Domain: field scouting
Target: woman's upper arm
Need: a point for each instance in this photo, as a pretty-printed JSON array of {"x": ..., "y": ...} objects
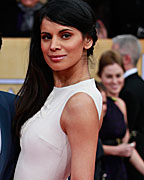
[{"x": 80, "y": 122}]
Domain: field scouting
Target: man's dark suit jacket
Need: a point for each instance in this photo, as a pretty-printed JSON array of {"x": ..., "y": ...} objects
[
  {"x": 10, "y": 148},
  {"x": 133, "y": 95}
]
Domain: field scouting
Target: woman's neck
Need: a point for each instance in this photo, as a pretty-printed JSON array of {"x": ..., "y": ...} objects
[
  {"x": 116, "y": 95},
  {"x": 67, "y": 78},
  {"x": 72, "y": 75}
]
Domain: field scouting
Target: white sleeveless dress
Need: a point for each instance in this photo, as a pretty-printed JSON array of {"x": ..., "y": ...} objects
[{"x": 45, "y": 150}]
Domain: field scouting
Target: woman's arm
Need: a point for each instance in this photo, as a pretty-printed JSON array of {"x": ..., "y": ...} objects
[
  {"x": 80, "y": 122},
  {"x": 137, "y": 161},
  {"x": 122, "y": 150},
  {"x": 135, "y": 158}
]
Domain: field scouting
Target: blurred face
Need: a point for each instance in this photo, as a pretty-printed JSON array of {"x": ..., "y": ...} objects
[
  {"x": 29, "y": 3},
  {"x": 62, "y": 46},
  {"x": 115, "y": 47},
  {"x": 112, "y": 78}
]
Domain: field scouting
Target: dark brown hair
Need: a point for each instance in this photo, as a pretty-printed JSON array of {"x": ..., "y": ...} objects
[{"x": 109, "y": 57}]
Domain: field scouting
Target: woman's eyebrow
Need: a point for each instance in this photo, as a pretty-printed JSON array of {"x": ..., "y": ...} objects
[
  {"x": 45, "y": 33},
  {"x": 65, "y": 30},
  {"x": 59, "y": 31}
]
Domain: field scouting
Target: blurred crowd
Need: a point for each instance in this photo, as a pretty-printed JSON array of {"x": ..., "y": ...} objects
[
  {"x": 122, "y": 90},
  {"x": 17, "y": 17},
  {"x": 113, "y": 17}
]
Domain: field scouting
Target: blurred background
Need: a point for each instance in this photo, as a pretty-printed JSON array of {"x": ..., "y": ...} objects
[{"x": 114, "y": 17}]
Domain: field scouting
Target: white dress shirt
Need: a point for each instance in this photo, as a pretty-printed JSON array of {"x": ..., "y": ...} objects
[{"x": 129, "y": 72}]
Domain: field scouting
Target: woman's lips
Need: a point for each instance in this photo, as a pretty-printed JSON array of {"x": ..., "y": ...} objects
[{"x": 57, "y": 58}]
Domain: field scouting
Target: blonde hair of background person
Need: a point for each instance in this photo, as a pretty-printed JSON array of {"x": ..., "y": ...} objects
[{"x": 111, "y": 73}]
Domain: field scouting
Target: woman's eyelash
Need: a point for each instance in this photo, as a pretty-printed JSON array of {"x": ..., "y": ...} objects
[
  {"x": 66, "y": 35},
  {"x": 46, "y": 36}
]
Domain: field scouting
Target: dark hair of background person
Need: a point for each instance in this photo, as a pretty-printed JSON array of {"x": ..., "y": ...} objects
[
  {"x": 107, "y": 58},
  {"x": 103, "y": 12},
  {"x": 121, "y": 16},
  {"x": 39, "y": 80},
  {"x": 101, "y": 87}
]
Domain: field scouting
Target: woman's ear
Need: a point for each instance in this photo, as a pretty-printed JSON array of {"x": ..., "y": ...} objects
[{"x": 88, "y": 41}]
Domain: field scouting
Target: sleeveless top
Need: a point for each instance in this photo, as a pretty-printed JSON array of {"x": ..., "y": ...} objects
[
  {"x": 112, "y": 130},
  {"x": 45, "y": 149},
  {"x": 114, "y": 125}
]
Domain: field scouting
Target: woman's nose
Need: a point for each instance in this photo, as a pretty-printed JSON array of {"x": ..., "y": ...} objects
[
  {"x": 55, "y": 44},
  {"x": 114, "y": 80}
]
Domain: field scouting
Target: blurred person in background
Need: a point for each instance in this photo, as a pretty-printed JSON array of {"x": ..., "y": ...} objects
[
  {"x": 102, "y": 9},
  {"x": 17, "y": 17},
  {"x": 101, "y": 30},
  {"x": 99, "y": 173},
  {"x": 25, "y": 15},
  {"x": 9, "y": 147},
  {"x": 132, "y": 93},
  {"x": 114, "y": 132}
]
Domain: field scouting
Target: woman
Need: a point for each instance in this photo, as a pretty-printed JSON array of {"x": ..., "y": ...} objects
[
  {"x": 114, "y": 132},
  {"x": 59, "y": 110}
]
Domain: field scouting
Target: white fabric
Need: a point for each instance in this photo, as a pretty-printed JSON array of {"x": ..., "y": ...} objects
[
  {"x": 130, "y": 72},
  {"x": 45, "y": 150}
]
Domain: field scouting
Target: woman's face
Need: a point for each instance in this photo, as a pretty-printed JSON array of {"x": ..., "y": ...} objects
[
  {"x": 62, "y": 46},
  {"x": 112, "y": 78},
  {"x": 29, "y": 3}
]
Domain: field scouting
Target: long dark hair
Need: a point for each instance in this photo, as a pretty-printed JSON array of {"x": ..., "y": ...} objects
[{"x": 39, "y": 80}]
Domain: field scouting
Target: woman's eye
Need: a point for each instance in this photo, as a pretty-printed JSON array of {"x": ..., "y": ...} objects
[
  {"x": 66, "y": 35},
  {"x": 46, "y": 37},
  {"x": 118, "y": 75},
  {"x": 109, "y": 76}
]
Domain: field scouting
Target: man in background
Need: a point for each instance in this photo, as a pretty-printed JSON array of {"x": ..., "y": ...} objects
[
  {"x": 17, "y": 17},
  {"x": 132, "y": 93},
  {"x": 9, "y": 147}
]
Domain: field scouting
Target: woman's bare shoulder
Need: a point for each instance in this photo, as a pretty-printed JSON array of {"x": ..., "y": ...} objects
[
  {"x": 80, "y": 109},
  {"x": 121, "y": 104}
]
